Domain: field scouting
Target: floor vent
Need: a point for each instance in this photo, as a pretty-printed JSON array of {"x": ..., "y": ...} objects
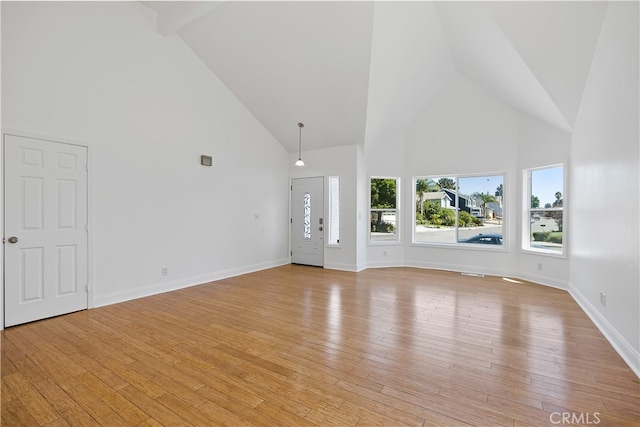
[{"x": 473, "y": 274}]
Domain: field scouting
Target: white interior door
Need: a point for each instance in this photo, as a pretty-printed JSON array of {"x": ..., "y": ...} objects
[
  {"x": 45, "y": 250},
  {"x": 307, "y": 224}
]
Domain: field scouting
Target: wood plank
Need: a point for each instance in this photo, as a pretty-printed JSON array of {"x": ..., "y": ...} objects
[
  {"x": 217, "y": 385},
  {"x": 92, "y": 403},
  {"x": 159, "y": 412},
  {"x": 125, "y": 409},
  {"x": 13, "y": 385},
  {"x": 185, "y": 410},
  {"x": 15, "y": 413},
  {"x": 56, "y": 396},
  {"x": 79, "y": 417},
  {"x": 39, "y": 408}
]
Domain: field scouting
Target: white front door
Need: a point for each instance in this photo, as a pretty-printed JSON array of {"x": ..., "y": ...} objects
[
  {"x": 307, "y": 224},
  {"x": 46, "y": 239}
]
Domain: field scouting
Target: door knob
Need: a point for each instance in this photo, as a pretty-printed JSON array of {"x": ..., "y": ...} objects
[{"x": 13, "y": 239}]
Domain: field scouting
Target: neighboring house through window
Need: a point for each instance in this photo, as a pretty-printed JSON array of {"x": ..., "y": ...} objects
[
  {"x": 544, "y": 213},
  {"x": 459, "y": 210}
]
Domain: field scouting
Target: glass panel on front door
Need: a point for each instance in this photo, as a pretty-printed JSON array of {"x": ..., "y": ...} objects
[{"x": 307, "y": 216}]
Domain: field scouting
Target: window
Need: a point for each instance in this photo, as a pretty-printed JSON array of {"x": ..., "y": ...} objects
[
  {"x": 384, "y": 209},
  {"x": 466, "y": 210},
  {"x": 544, "y": 212},
  {"x": 334, "y": 210}
]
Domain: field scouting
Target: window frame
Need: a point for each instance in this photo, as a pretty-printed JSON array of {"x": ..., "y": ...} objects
[
  {"x": 397, "y": 239},
  {"x": 504, "y": 247},
  {"x": 528, "y": 211}
]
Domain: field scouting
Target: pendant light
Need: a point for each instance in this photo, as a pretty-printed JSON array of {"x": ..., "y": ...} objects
[{"x": 299, "y": 162}]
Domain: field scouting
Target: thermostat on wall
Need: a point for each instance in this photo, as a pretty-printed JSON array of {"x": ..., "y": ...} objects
[{"x": 206, "y": 160}]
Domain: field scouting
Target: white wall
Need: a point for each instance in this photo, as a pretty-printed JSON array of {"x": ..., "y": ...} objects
[
  {"x": 362, "y": 209},
  {"x": 98, "y": 72},
  {"x": 541, "y": 145},
  {"x": 398, "y": 92},
  {"x": 407, "y": 44},
  {"x": 464, "y": 131},
  {"x": 604, "y": 243},
  {"x": 386, "y": 159}
]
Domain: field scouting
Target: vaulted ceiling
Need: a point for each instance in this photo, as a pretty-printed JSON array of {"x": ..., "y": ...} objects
[{"x": 360, "y": 71}]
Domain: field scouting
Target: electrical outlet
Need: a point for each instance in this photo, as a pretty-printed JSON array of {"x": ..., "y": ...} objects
[
  {"x": 165, "y": 271},
  {"x": 603, "y": 299},
  {"x": 540, "y": 266},
  {"x": 384, "y": 253}
]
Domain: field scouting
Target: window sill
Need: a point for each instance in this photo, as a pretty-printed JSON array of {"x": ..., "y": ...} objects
[
  {"x": 471, "y": 247},
  {"x": 384, "y": 243},
  {"x": 542, "y": 252}
]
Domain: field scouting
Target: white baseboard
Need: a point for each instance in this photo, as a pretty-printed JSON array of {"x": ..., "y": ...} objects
[
  {"x": 542, "y": 280},
  {"x": 617, "y": 341},
  {"x": 386, "y": 264},
  {"x": 159, "y": 288},
  {"x": 456, "y": 268},
  {"x": 341, "y": 266},
  {"x": 361, "y": 266}
]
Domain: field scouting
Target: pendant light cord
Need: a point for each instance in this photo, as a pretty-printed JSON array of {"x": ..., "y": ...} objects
[
  {"x": 300, "y": 126},
  {"x": 299, "y": 162}
]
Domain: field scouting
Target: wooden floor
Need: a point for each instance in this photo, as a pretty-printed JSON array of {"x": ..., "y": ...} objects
[{"x": 302, "y": 346}]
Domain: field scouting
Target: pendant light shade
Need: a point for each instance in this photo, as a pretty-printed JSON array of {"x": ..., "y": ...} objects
[{"x": 299, "y": 162}]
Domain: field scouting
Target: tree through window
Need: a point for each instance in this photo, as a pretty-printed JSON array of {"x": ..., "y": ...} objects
[
  {"x": 459, "y": 209},
  {"x": 384, "y": 209}
]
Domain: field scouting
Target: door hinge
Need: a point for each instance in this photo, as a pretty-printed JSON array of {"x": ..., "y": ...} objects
[
  {"x": 291, "y": 253},
  {"x": 291, "y": 220},
  {"x": 292, "y": 188}
]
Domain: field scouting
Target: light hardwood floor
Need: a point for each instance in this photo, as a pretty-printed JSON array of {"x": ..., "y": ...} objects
[{"x": 299, "y": 345}]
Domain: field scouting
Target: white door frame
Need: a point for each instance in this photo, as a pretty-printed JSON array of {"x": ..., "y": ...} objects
[
  {"x": 324, "y": 213},
  {"x": 36, "y": 135}
]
